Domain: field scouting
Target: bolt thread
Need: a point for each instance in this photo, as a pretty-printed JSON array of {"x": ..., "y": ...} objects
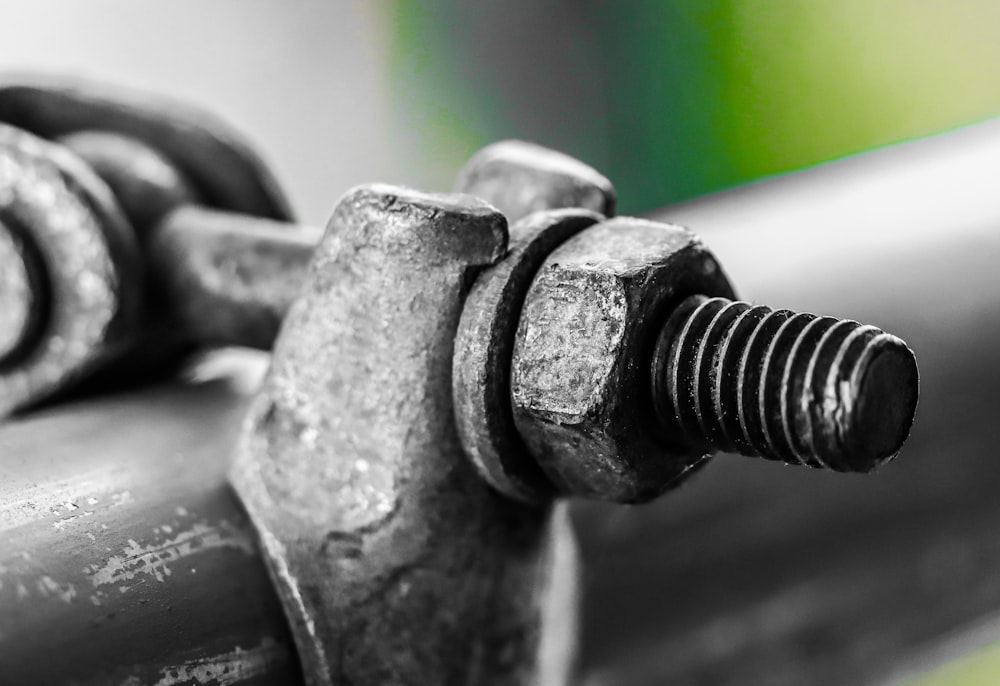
[{"x": 785, "y": 386}]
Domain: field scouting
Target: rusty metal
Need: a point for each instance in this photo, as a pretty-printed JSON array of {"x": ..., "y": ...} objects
[{"x": 416, "y": 572}]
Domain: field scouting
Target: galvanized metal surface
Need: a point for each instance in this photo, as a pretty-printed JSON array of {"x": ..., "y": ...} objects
[
  {"x": 484, "y": 346},
  {"x": 416, "y": 572},
  {"x": 215, "y": 277},
  {"x": 61, "y": 214},
  {"x": 755, "y": 572},
  {"x": 229, "y": 278},
  {"x": 579, "y": 386}
]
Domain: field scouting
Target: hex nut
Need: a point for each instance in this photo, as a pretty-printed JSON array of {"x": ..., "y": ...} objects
[
  {"x": 483, "y": 347},
  {"x": 581, "y": 364}
]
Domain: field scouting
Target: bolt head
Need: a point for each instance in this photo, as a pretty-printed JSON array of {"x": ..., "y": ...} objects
[
  {"x": 580, "y": 373},
  {"x": 520, "y": 178}
]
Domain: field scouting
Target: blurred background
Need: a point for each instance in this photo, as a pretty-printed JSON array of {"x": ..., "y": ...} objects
[{"x": 670, "y": 99}]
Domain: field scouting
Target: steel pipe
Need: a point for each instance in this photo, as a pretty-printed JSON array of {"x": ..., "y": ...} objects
[{"x": 124, "y": 557}]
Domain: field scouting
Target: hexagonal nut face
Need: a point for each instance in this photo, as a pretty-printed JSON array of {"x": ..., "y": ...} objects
[{"x": 581, "y": 367}]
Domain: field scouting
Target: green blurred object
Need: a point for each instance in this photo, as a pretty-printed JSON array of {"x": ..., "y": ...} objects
[
  {"x": 676, "y": 99},
  {"x": 979, "y": 668}
]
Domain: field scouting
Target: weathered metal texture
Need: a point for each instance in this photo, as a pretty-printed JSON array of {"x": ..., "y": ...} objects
[
  {"x": 580, "y": 376},
  {"x": 215, "y": 277},
  {"x": 225, "y": 169},
  {"x": 483, "y": 349},
  {"x": 759, "y": 574},
  {"x": 755, "y": 574},
  {"x": 520, "y": 178},
  {"x": 396, "y": 562},
  {"x": 21, "y": 281},
  {"x": 229, "y": 278},
  {"x": 124, "y": 557},
  {"x": 194, "y": 294},
  {"x": 147, "y": 184},
  {"x": 794, "y": 387},
  {"x": 81, "y": 262}
]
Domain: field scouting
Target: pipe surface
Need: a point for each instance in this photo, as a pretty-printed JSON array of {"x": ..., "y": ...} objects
[{"x": 124, "y": 557}]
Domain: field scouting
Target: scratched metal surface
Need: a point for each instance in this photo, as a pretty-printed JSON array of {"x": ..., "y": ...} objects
[{"x": 124, "y": 558}]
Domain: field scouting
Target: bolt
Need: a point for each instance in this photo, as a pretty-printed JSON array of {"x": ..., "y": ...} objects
[
  {"x": 632, "y": 363},
  {"x": 797, "y": 388}
]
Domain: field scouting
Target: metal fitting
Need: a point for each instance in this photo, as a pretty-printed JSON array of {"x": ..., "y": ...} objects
[
  {"x": 216, "y": 266},
  {"x": 415, "y": 572},
  {"x": 631, "y": 364}
]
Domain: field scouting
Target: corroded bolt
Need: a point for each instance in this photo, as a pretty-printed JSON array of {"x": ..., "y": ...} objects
[
  {"x": 797, "y": 388},
  {"x": 608, "y": 359}
]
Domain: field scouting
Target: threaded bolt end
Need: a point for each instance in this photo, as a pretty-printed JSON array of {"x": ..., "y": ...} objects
[{"x": 786, "y": 386}]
